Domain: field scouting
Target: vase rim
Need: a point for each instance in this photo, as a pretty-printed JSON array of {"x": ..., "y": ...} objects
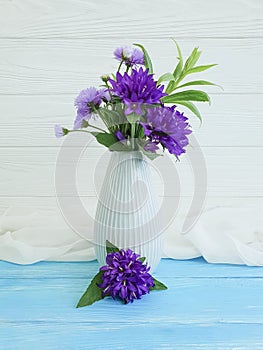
[{"x": 128, "y": 154}]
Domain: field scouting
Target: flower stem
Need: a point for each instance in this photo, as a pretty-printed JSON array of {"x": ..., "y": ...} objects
[
  {"x": 132, "y": 134},
  {"x": 92, "y": 126},
  {"x": 120, "y": 66},
  {"x": 79, "y": 130},
  {"x": 103, "y": 119},
  {"x": 108, "y": 86},
  {"x": 95, "y": 127}
]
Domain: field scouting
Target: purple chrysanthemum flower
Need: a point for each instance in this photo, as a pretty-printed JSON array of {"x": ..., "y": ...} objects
[
  {"x": 169, "y": 127},
  {"x": 136, "y": 89},
  {"x": 125, "y": 276},
  {"x": 60, "y": 131},
  {"x": 87, "y": 102},
  {"x": 129, "y": 55}
]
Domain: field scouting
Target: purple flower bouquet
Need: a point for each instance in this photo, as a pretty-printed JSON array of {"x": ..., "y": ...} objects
[{"x": 139, "y": 112}]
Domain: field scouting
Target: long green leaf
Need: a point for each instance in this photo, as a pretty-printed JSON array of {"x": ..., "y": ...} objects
[
  {"x": 170, "y": 87},
  {"x": 192, "y": 108},
  {"x": 196, "y": 82},
  {"x": 177, "y": 71},
  {"x": 195, "y": 58},
  {"x": 192, "y": 59},
  {"x": 93, "y": 292},
  {"x": 147, "y": 59},
  {"x": 188, "y": 95},
  {"x": 165, "y": 77},
  {"x": 179, "y": 67},
  {"x": 200, "y": 68}
]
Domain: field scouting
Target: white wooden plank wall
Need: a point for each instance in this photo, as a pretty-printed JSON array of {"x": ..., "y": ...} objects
[{"x": 51, "y": 49}]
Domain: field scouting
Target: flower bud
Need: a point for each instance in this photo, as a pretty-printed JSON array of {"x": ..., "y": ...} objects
[{"x": 105, "y": 78}]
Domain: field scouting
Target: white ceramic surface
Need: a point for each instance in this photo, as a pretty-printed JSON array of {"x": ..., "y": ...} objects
[{"x": 127, "y": 212}]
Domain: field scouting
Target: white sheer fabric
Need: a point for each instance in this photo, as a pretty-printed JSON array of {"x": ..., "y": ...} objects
[{"x": 222, "y": 235}]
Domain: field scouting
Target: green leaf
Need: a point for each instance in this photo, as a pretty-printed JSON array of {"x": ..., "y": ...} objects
[
  {"x": 188, "y": 95},
  {"x": 147, "y": 59},
  {"x": 110, "y": 141},
  {"x": 192, "y": 108},
  {"x": 192, "y": 59},
  {"x": 93, "y": 292},
  {"x": 142, "y": 259},
  {"x": 104, "y": 138},
  {"x": 196, "y": 82},
  {"x": 111, "y": 248},
  {"x": 177, "y": 71},
  {"x": 158, "y": 285},
  {"x": 195, "y": 58},
  {"x": 200, "y": 68},
  {"x": 179, "y": 67},
  {"x": 165, "y": 77},
  {"x": 170, "y": 87}
]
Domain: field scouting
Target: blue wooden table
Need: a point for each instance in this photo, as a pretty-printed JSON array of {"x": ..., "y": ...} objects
[{"x": 207, "y": 306}]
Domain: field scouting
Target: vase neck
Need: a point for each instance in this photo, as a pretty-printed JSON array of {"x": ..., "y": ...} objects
[{"x": 127, "y": 155}]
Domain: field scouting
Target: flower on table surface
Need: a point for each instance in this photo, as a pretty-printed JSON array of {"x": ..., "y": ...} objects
[
  {"x": 129, "y": 55},
  {"x": 125, "y": 276},
  {"x": 167, "y": 126},
  {"x": 87, "y": 102},
  {"x": 60, "y": 131},
  {"x": 136, "y": 89}
]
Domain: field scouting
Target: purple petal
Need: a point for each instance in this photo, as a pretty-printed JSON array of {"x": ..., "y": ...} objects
[
  {"x": 130, "y": 55},
  {"x": 60, "y": 131},
  {"x": 120, "y": 135},
  {"x": 151, "y": 147}
]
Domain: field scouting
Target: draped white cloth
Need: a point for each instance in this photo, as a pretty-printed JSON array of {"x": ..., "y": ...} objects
[{"x": 222, "y": 235}]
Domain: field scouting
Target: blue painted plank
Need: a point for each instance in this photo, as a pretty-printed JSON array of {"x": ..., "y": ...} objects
[
  {"x": 187, "y": 300},
  {"x": 139, "y": 336},
  {"x": 168, "y": 267}
]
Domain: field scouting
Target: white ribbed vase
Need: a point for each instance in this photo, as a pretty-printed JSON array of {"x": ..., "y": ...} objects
[{"x": 127, "y": 209}]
